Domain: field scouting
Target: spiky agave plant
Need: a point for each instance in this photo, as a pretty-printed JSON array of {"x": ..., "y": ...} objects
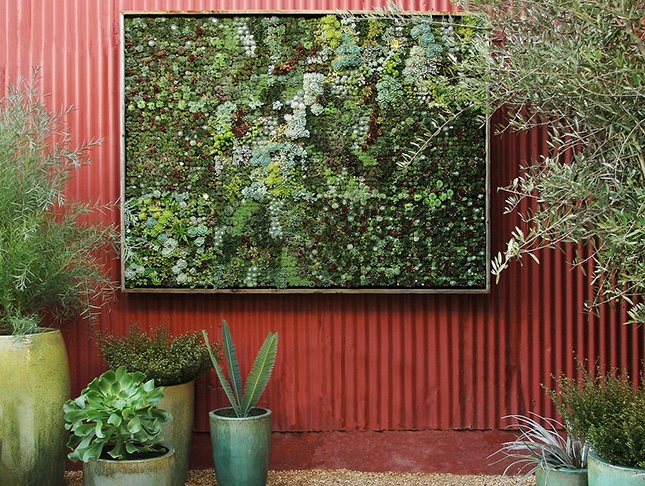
[
  {"x": 244, "y": 398},
  {"x": 540, "y": 443}
]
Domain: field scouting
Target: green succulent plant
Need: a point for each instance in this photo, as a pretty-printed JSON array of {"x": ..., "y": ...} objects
[
  {"x": 244, "y": 398},
  {"x": 115, "y": 415},
  {"x": 169, "y": 360}
]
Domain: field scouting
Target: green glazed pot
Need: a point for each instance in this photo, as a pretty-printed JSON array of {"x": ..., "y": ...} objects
[
  {"x": 179, "y": 400},
  {"x": 561, "y": 477},
  {"x": 241, "y": 446},
  {"x": 152, "y": 471},
  {"x": 603, "y": 473},
  {"x": 34, "y": 385}
]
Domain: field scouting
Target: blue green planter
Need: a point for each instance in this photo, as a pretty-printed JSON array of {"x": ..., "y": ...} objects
[
  {"x": 603, "y": 473},
  {"x": 561, "y": 477},
  {"x": 241, "y": 446},
  {"x": 151, "y": 471}
]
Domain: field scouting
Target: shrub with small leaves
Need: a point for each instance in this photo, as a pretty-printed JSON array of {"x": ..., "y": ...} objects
[
  {"x": 168, "y": 360},
  {"x": 608, "y": 411},
  {"x": 116, "y": 416}
]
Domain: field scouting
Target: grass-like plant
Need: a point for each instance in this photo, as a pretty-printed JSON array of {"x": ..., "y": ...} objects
[
  {"x": 608, "y": 411},
  {"x": 542, "y": 444},
  {"x": 50, "y": 253},
  {"x": 244, "y": 398},
  {"x": 169, "y": 360},
  {"x": 115, "y": 416}
]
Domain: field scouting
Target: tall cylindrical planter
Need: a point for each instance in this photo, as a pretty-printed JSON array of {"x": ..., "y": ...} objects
[
  {"x": 561, "y": 477},
  {"x": 34, "y": 385},
  {"x": 603, "y": 473},
  {"x": 151, "y": 471},
  {"x": 179, "y": 400},
  {"x": 241, "y": 446}
]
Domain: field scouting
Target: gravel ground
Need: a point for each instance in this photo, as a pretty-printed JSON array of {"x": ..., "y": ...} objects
[{"x": 340, "y": 477}]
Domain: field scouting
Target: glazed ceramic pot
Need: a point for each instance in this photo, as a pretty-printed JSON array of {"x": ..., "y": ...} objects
[
  {"x": 151, "y": 471},
  {"x": 561, "y": 477},
  {"x": 241, "y": 446},
  {"x": 603, "y": 473},
  {"x": 34, "y": 385},
  {"x": 179, "y": 400}
]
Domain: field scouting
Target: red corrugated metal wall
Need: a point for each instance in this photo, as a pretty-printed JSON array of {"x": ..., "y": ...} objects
[{"x": 346, "y": 362}]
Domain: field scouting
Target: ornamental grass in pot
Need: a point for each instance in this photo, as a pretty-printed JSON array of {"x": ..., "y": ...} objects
[
  {"x": 114, "y": 425},
  {"x": 173, "y": 362},
  {"x": 241, "y": 433},
  {"x": 546, "y": 448},
  {"x": 51, "y": 271},
  {"x": 607, "y": 409}
]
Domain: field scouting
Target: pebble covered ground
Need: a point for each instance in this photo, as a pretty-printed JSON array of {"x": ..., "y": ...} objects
[{"x": 344, "y": 477}]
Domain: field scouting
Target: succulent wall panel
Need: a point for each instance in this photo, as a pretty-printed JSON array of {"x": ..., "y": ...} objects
[{"x": 285, "y": 152}]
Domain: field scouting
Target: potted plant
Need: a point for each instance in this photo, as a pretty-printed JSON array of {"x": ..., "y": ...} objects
[
  {"x": 51, "y": 271},
  {"x": 555, "y": 458},
  {"x": 114, "y": 426},
  {"x": 241, "y": 433},
  {"x": 608, "y": 411},
  {"x": 173, "y": 362}
]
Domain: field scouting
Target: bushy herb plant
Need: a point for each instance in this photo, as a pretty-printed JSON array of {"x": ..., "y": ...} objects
[
  {"x": 50, "y": 252},
  {"x": 116, "y": 416},
  {"x": 607, "y": 411},
  {"x": 168, "y": 360}
]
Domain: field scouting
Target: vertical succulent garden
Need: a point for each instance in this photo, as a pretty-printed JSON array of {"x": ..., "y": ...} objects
[{"x": 276, "y": 152}]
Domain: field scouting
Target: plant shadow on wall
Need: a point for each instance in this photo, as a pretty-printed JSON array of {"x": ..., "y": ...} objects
[{"x": 270, "y": 152}]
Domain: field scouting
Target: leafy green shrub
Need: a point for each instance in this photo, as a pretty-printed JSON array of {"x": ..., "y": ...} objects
[
  {"x": 115, "y": 415},
  {"x": 165, "y": 359},
  {"x": 608, "y": 412},
  {"x": 50, "y": 262}
]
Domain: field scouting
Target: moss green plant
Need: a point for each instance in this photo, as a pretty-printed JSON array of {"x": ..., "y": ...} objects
[
  {"x": 169, "y": 360},
  {"x": 608, "y": 411},
  {"x": 266, "y": 151}
]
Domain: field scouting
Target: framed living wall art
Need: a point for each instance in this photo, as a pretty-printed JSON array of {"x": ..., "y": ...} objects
[{"x": 269, "y": 151}]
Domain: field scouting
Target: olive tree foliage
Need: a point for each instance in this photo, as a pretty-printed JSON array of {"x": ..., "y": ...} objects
[{"x": 575, "y": 69}]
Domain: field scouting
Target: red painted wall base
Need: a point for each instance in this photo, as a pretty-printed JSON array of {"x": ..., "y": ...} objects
[{"x": 456, "y": 452}]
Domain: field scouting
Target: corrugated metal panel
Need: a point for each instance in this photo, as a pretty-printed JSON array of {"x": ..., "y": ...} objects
[{"x": 346, "y": 362}]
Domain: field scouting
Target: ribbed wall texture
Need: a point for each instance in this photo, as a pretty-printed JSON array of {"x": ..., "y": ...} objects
[{"x": 346, "y": 362}]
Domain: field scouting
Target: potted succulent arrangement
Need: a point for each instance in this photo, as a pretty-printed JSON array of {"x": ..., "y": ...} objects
[
  {"x": 241, "y": 433},
  {"x": 608, "y": 411},
  {"x": 114, "y": 424},
  {"x": 51, "y": 272},
  {"x": 556, "y": 458},
  {"x": 173, "y": 362}
]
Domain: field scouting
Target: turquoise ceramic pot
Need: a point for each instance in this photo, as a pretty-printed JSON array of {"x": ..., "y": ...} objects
[
  {"x": 179, "y": 400},
  {"x": 603, "y": 473},
  {"x": 241, "y": 446},
  {"x": 34, "y": 385},
  {"x": 561, "y": 477},
  {"x": 151, "y": 471}
]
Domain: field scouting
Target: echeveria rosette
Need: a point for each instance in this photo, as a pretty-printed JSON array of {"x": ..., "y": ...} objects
[{"x": 116, "y": 412}]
